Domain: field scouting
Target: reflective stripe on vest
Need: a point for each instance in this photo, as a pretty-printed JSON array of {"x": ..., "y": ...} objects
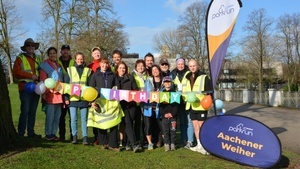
[
  {"x": 110, "y": 114},
  {"x": 197, "y": 89},
  {"x": 75, "y": 79},
  {"x": 25, "y": 66}
]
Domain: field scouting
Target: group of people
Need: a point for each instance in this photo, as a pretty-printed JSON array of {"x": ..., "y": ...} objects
[{"x": 143, "y": 125}]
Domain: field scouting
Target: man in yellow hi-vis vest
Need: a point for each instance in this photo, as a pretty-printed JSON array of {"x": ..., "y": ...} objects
[
  {"x": 197, "y": 82},
  {"x": 26, "y": 70}
]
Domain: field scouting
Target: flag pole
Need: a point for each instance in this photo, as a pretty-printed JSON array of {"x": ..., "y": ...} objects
[{"x": 207, "y": 46}]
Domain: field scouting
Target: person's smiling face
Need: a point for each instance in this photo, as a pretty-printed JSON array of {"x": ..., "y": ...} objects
[{"x": 121, "y": 70}]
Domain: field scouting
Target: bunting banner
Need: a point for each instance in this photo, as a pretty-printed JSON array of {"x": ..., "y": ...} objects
[
  {"x": 220, "y": 20},
  {"x": 118, "y": 95}
]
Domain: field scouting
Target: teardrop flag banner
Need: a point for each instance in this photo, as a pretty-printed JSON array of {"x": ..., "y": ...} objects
[{"x": 220, "y": 20}]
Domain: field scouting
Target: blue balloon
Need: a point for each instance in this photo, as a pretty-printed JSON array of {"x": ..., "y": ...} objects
[
  {"x": 29, "y": 87},
  {"x": 219, "y": 104},
  {"x": 220, "y": 113}
]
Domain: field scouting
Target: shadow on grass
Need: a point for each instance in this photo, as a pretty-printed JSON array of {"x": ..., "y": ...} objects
[
  {"x": 244, "y": 108},
  {"x": 23, "y": 144},
  {"x": 278, "y": 130},
  {"x": 283, "y": 163}
]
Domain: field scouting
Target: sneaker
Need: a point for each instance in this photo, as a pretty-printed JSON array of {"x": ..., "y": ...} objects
[
  {"x": 55, "y": 138},
  {"x": 96, "y": 142},
  {"x": 167, "y": 147},
  {"x": 49, "y": 137},
  {"x": 159, "y": 144},
  {"x": 74, "y": 141},
  {"x": 150, "y": 146},
  {"x": 136, "y": 148},
  {"x": 199, "y": 149},
  {"x": 104, "y": 147},
  {"x": 173, "y": 147},
  {"x": 84, "y": 141},
  {"x": 203, "y": 151},
  {"x": 127, "y": 148},
  {"x": 196, "y": 148},
  {"x": 188, "y": 145}
]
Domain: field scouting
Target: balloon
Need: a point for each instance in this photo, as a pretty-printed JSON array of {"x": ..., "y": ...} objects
[
  {"x": 191, "y": 97},
  {"x": 29, "y": 87},
  {"x": 90, "y": 94},
  {"x": 206, "y": 102},
  {"x": 219, "y": 104},
  {"x": 50, "y": 83},
  {"x": 40, "y": 88}
]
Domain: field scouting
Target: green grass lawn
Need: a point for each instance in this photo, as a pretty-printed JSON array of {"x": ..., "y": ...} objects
[{"x": 39, "y": 153}]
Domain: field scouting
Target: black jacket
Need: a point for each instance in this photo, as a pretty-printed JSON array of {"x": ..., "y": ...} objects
[
  {"x": 127, "y": 83},
  {"x": 165, "y": 108},
  {"x": 106, "y": 79},
  {"x": 179, "y": 73}
]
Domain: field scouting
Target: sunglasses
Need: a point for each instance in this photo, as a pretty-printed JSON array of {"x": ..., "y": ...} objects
[
  {"x": 164, "y": 64},
  {"x": 30, "y": 45}
]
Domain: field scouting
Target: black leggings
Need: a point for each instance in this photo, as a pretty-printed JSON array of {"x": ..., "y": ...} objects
[
  {"x": 129, "y": 120},
  {"x": 149, "y": 122}
]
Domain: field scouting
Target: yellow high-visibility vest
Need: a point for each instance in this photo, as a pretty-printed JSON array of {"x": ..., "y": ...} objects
[
  {"x": 109, "y": 115},
  {"x": 71, "y": 63},
  {"x": 183, "y": 81},
  {"x": 197, "y": 89},
  {"x": 75, "y": 79},
  {"x": 140, "y": 81},
  {"x": 26, "y": 66}
]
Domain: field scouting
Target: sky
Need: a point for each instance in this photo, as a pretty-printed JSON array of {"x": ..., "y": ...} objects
[{"x": 145, "y": 18}]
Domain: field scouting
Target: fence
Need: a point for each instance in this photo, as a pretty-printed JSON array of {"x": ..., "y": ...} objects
[{"x": 271, "y": 97}]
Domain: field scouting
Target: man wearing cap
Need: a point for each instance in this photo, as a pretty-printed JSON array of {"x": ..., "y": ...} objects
[
  {"x": 65, "y": 60},
  {"x": 164, "y": 67},
  {"x": 96, "y": 54},
  {"x": 26, "y": 70}
]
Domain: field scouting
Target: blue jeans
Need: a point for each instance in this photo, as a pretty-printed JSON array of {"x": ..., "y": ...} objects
[
  {"x": 186, "y": 125},
  {"x": 53, "y": 113},
  {"x": 29, "y": 103},
  {"x": 83, "y": 115}
]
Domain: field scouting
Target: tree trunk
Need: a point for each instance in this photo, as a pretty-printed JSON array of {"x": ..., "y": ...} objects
[{"x": 8, "y": 134}]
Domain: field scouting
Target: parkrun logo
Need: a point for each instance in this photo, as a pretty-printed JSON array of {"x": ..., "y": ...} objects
[
  {"x": 223, "y": 11},
  {"x": 241, "y": 129}
]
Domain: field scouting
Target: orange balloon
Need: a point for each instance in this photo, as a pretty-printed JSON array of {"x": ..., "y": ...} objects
[{"x": 206, "y": 102}]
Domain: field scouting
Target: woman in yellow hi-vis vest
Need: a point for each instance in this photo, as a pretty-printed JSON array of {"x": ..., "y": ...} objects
[
  {"x": 26, "y": 70},
  {"x": 110, "y": 111},
  {"x": 197, "y": 82},
  {"x": 78, "y": 75}
]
